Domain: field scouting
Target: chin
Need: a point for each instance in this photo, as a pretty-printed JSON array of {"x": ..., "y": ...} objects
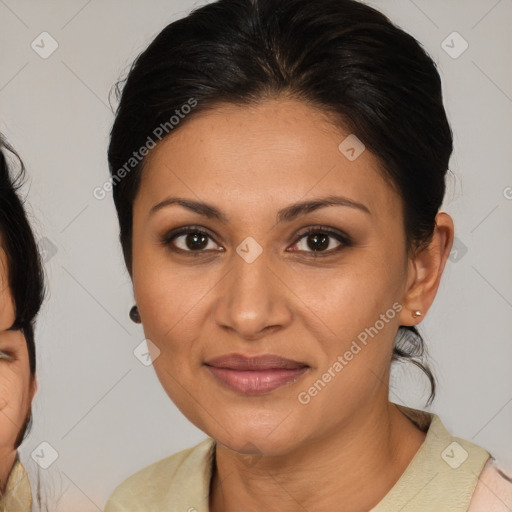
[{"x": 255, "y": 438}]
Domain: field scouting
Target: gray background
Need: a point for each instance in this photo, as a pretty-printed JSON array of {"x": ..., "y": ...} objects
[{"x": 101, "y": 410}]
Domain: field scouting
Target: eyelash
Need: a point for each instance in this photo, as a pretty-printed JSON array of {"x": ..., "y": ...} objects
[{"x": 343, "y": 239}]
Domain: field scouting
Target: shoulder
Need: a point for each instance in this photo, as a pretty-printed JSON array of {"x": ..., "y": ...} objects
[
  {"x": 443, "y": 473},
  {"x": 493, "y": 492},
  {"x": 164, "y": 481}
]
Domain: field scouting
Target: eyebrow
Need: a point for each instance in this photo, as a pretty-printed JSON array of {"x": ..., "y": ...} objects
[{"x": 286, "y": 214}]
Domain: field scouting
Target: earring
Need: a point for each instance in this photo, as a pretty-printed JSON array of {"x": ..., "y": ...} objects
[
  {"x": 416, "y": 314},
  {"x": 134, "y": 315}
]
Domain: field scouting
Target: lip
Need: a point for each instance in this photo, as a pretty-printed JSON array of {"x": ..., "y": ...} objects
[{"x": 255, "y": 375}]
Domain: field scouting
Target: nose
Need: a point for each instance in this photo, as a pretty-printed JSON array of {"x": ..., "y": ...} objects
[{"x": 253, "y": 299}]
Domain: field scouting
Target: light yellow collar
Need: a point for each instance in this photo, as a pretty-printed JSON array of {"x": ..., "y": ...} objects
[
  {"x": 443, "y": 473},
  {"x": 18, "y": 495},
  {"x": 441, "y": 476}
]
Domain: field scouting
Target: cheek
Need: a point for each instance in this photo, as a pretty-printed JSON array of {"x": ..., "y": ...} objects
[
  {"x": 13, "y": 403},
  {"x": 354, "y": 317},
  {"x": 349, "y": 298},
  {"x": 170, "y": 308},
  {"x": 173, "y": 300},
  {"x": 173, "y": 317}
]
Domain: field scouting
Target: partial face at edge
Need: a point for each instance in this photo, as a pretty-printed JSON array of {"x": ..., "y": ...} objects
[
  {"x": 199, "y": 298},
  {"x": 17, "y": 386}
]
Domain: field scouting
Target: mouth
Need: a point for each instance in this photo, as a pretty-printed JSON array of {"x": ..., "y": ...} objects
[{"x": 255, "y": 375}]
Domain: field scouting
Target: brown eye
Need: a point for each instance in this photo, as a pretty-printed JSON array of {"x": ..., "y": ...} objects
[
  {"x": 322, "y": 240},
  {"x": 318, "y": 241},
  {"x": 195, "y": 241},
  {"x": 190, "y": 239}
]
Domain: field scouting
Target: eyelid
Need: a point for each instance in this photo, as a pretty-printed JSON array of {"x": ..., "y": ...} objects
[
  {"x": 326, "y": 230},
  {"x": 6, "y": 356}
]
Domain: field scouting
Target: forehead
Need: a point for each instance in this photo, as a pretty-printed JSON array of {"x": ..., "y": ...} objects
[{"x": 278, "y": 148}]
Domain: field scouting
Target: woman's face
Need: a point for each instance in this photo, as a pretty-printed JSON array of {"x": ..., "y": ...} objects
[
  {"x": 17, "y": 386},
  {"x": 256, "y": 285}
]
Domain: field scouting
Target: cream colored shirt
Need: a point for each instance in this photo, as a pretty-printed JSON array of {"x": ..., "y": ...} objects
[
  {"x": 443, "y": 476},
  {"x": 17, "y": 496}
]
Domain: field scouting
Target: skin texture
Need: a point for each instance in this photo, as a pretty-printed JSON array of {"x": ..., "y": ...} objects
[
  {"x": 249, "y": 162},
  {"x": 17, "y": 385}
]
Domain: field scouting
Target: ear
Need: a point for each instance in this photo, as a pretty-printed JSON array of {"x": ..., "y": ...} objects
[{"x": 425, "y": 270}]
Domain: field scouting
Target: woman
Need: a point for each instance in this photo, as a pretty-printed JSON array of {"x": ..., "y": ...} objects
[
  {"x": 21, "y": 296},
  {"x": 278, "y": 168}
]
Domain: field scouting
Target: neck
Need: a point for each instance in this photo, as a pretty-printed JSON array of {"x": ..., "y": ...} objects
[{"x": 356, "y": 465}]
